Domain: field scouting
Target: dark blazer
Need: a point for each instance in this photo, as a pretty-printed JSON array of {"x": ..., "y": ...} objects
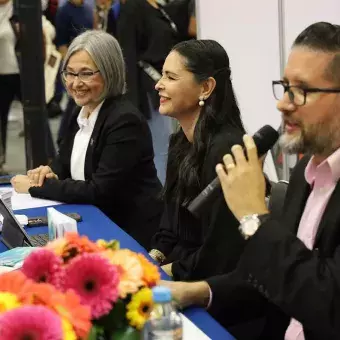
[
  {"x": 280, "y": 278},
  {"x": 120, "y": 175},
  {"x": 211, "y": 244},
  {"x": 144, "y": 34}
]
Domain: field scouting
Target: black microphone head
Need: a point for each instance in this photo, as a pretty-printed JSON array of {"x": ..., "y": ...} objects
[{"x": 265, "y": 138}]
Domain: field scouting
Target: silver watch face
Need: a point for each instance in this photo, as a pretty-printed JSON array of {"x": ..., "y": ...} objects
[{"x": 250, "y": 227}]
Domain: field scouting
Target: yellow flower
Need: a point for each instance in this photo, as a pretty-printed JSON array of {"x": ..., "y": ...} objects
[
  {"x": 68, "y": 332},
  {"x": 113, "y": 244},
  {"x": 139, "y": 308},
  {"x": 8, "y": 301}
]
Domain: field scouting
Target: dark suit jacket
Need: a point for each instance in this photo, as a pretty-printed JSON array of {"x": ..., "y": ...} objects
[
  {"x": 211, "y": 244},
  {"x": 120, "y": 176},
  {"x": 144, "y": 34},
  {"x": 277, "y": 267}
]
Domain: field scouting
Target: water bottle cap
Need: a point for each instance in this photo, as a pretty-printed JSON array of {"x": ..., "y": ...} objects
[{"x": 161, "y": 294}]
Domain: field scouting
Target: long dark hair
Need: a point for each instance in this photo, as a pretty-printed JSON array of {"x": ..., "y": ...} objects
[{"x": 204, "y": 58}]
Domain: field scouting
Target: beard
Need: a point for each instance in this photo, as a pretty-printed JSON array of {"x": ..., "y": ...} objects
[{"x": 318, "y": 139}]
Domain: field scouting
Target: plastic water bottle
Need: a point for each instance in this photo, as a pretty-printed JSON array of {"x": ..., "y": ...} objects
[{"x": 165, "y": 322}]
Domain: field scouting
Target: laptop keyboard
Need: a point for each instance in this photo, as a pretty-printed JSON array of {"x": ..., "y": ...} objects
[{"x": 39, "y": 240}]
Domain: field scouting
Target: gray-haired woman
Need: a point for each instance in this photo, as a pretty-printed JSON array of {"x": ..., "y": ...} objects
[{"x": 106, "y": 157}]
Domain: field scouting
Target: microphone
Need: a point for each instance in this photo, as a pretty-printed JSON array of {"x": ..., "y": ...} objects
[{"x": 264, "y": 139}]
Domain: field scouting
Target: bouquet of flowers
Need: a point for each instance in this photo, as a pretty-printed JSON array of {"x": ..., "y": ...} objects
[{"x": 74, "y": 289}]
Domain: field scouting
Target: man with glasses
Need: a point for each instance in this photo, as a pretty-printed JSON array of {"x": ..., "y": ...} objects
[{"x": 287, "y": 284}]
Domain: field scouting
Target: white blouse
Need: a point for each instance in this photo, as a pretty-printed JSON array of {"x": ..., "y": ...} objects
[{"x": 81, "y": 142}]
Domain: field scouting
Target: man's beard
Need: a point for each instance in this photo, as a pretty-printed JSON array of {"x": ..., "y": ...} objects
[{"x": 320, "y": 139}]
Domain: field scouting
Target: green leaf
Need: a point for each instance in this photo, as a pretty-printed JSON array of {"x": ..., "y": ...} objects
[
  {"x": 116, "y": 319},
  {"x": 113, "y": 245},
  {"x": 96, "y": 333},
  {"x": 128, "y": 333}
]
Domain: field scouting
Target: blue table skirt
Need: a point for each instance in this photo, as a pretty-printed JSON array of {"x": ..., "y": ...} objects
[{"x": 97, "y": 225}]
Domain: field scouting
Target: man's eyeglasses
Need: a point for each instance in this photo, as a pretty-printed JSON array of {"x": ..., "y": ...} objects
[
  {"x": 297, "y": 95},
  {"x": 84, "y": 76}
]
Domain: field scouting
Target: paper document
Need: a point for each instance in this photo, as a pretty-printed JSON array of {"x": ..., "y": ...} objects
[
  {"x": 191, "y": 331},
  {"x": 26, "y": 201},
  {"x": 59, "y": 223}
]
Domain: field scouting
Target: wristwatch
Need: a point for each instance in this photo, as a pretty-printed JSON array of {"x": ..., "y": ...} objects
[
  {"x": 250, "y": 223},
  {"x": 157, "y": 255}
]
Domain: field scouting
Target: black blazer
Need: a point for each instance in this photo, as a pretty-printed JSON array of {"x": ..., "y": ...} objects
[
  {"x": 210, "y": 245},
  {"x": 120, "y": 175},
  {"x": 144, "y": 34},
  {"x": 280, "y": 278}
]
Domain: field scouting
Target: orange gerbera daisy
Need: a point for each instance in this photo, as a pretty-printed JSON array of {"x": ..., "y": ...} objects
[
  {"x": 17, "y": 283},
  {"x": 151, "y": 274},
  {"x": 67, "y": 305},
  {"x": 76, "y": 245},
  {"x": 130, "y": 270},
  {"x": 43, "y": 293}
]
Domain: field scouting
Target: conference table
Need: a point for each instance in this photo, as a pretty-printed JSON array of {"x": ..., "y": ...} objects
[{"x": 97, "y": 225}]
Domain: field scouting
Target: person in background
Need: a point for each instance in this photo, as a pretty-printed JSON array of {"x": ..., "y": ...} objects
[
  {"x": 52, "y": 56},
  {"x": 288, "y": 276},
  {"x": 192, "y": 28},
  {"x": 146, "y": 33},
  {"x": 50, "y": 10},
  {"x": 73, "y": 17},
  {"x": 52, "y": 60},
  {"x": 196, "y": 89},
  {"x": 9, "y": 74},
  {"x": 106, "y": 157},
  {"x": 183, "y": 13},
  {"x": 104, "y": 16}
]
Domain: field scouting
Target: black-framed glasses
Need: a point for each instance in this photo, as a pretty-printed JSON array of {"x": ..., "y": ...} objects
[
  {"x": 297, "y": 95},
  {"x": 84, "y": 76}
]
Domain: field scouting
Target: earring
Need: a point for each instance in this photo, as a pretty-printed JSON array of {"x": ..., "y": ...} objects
[{"x": 201, "y": 102}]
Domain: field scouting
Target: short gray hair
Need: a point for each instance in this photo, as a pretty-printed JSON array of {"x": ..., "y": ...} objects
[{"x": 106, "y": 53}]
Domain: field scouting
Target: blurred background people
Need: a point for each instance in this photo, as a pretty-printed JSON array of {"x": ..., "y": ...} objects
[
  {"x": 146, "y": 33},
  {"x": 104, "y": 16},
  {"x": 106, "y": 157},
  {"x": 9, "y": 73}
]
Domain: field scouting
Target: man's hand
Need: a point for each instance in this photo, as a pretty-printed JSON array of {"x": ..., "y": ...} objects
[
  {"x": 189, "y": 293},
  {"x": 21, "y": 184},
  {"x": 168, "y": 269},
  {"x": 243, "y": 181},
  {"x": 38, "y": 175}
]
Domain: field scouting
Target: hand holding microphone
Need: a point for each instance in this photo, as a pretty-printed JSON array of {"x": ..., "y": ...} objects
[
  {"x": 262, "y": 141},
  {"x": 242, "y": 181}
]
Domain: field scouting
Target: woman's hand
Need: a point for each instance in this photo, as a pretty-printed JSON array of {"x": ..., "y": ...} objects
[
  {"x": 38, "y": 175},
  {"x": 189, "y": 293},
  {"x": 168, "y": 269},
  {"x": 21, "y": 184}
]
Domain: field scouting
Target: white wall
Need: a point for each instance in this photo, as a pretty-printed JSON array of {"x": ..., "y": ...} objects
[
  {"x": 250, "y": 36},
  {"x": 301, "y": 13}
]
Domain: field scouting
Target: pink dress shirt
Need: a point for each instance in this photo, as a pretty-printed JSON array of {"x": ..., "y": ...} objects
[{"x": 323, "y": 179}]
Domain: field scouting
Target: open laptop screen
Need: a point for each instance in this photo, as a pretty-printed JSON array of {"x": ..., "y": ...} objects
[{"x": 13, "y": 234}]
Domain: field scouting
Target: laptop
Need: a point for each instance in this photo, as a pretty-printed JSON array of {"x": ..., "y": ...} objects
[{"x": 14, "y": 235}]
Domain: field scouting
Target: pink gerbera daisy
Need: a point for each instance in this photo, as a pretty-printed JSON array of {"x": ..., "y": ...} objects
[
  {"x": 43, "y": 265},
  {"x": 30, "y": 322},
  {"x": 95, "y": 280}
]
